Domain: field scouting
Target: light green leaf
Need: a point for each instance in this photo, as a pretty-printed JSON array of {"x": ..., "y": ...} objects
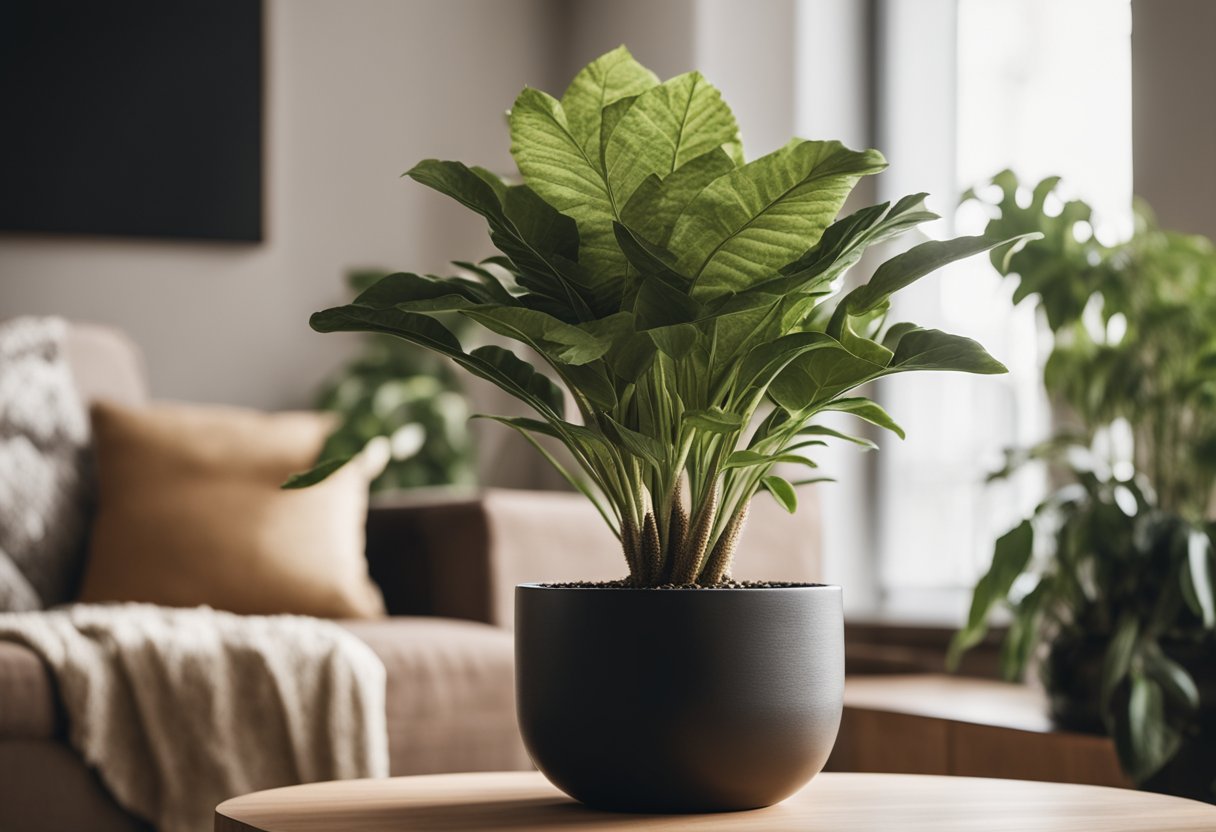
[
  {"x": 657, "y": 203},
  {"x": 664, "y": 128},
  {"x": 558, "y": 168},
  {"x": 745, "y": 225},
  {"x": 609, "y": 78},
  {"x": 782, "y": 492}
]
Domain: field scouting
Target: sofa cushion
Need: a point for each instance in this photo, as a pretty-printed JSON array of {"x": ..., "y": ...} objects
[
  {"x": 28, "y": 709},
  {"x": 190, "y": 512},
  {"x": 451, "y": 694}
]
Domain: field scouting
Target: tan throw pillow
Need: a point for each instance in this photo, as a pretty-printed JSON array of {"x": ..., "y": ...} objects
[{"x": 189, "y": 512}]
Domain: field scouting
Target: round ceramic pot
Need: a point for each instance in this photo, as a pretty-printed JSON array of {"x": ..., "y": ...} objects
[{"x": 679, "y": 700}]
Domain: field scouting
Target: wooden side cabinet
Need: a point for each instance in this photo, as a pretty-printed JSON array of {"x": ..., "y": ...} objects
[{"x": 936, "y": 724}]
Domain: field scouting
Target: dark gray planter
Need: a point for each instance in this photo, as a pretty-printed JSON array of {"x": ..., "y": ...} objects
[{"x": 679, "y": 700}]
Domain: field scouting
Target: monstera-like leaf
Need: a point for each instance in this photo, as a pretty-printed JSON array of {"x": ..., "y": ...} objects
[{"x": 679, "y": 293}]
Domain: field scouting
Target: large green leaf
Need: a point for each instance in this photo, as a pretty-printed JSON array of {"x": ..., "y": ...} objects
[
  {"x": 745, "y": 225},
  {"x": 612, "y": 76},
  {"x": 557, "y": 167},
  {"x": 904, "y": 269},
  {"x": 664, "y": 128},
  {"x": 494, "y": 364},
  {"x": 846, "y": 240},
  {"x": 542, "y": 243},
  {"x": 813, "y": 379},
  {"x": 658, "y": 202},
  {"x": 932, "y": 349}
]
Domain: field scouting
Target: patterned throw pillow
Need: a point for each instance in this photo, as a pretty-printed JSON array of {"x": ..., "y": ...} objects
[{"x": 44, "y": 432}]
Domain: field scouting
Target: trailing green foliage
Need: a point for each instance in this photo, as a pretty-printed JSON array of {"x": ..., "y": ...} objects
[
  {"x": 682, "y": 296},
  {"x": 399, "y": 391},
  {"x": 1125, "y": 548}
]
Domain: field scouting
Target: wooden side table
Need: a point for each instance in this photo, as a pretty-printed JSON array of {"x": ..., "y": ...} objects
[{"x": 831, "y": 803}]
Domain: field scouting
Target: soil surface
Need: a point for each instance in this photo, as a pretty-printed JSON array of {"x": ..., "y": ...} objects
[{"x": 727, "y": 584}]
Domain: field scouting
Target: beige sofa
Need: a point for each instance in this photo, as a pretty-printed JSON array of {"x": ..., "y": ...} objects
[{"x": 447, "y": 565}]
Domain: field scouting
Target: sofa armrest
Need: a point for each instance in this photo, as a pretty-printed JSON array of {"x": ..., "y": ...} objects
[{"x": 461, "y": 556}]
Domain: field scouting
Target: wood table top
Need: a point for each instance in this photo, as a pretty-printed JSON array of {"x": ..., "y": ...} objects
[{"x": 830, "y": 803}]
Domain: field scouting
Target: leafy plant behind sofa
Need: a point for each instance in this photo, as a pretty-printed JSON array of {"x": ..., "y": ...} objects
[
  {"x": 1126, "y": 565},
  {"x": 687, "y": 299}
]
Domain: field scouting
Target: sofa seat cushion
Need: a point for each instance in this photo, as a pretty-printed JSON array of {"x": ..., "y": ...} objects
[
  {"x": 28, "y": 705},
  {"x": 451, "y": 694}
]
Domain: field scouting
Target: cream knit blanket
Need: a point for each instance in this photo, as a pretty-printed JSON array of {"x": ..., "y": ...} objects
[{"x": 180, "y": 709}]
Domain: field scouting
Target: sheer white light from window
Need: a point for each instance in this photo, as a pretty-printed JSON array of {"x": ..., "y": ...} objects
[{"x": 1044, "y": 88}]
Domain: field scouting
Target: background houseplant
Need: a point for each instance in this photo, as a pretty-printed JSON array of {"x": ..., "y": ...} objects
[
  {"x": 1121, "y": 592},
  {"x": 689, "y": 303},
  {"x": 400, "y": 391}
]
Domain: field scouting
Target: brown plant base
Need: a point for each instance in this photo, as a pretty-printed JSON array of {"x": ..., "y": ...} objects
[{"x": 728, "y": 583}]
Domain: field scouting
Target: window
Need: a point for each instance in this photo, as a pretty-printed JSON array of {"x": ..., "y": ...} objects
[{"x": 965, "y": 89}]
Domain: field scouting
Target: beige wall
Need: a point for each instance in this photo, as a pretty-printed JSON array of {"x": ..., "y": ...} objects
[
  {"x": 1174, "y": 111},
  {"x": 357, "y": 92}
]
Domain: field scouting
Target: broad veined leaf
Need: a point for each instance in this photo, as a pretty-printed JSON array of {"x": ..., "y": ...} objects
[
  {"x": 812, "y": 380},
  {"x": 648, "y": 259},
  {"x": 494, "y": 364},
  {"x": 846, "y": 240},
  {"x": 557, "y": 167},
  {"x": 745, "y": 225},
  {"x": 932, "y": 349},
  {"x": 657, "y": 203},
  {"x": 765, "y": 361},
  {"x": 868, "y": 410},
  {"x": 665, "y": 127},
  {"x": 609, "y": 78},
  {"x": 540, "y": 242},
  {"x": 904, "y": 269}
]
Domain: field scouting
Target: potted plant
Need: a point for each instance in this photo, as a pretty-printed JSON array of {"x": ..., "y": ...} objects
[
  {"x": 1119, "y": 588},
  {"x": 689, "y": 303}
]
